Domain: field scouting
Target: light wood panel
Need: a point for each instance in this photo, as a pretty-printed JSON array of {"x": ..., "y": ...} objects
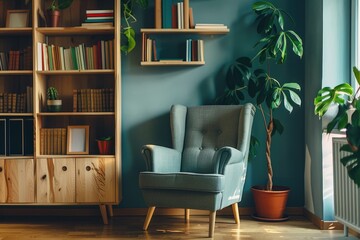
[
  {"x": 55, "y": 180},
  {"x": 95, "y": 180},
  {"x": 17, "y": 181}
]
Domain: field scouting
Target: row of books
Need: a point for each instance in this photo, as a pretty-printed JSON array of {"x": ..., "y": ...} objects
[
  {"x": 93, "y": 100},
  {"x": 173, "y": 14},
  {"x": 53, "y": 141},
  {"x": 194, "y": 51},
  {"x": 16, "y": 59},
  {"x": 99, "y": 18},
  {"x": 81, "y": 57},
  {"x": 16, "y": 102}
]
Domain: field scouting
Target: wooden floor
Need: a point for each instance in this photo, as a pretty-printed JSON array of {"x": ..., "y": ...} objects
[{"x": 161, "y": 227}]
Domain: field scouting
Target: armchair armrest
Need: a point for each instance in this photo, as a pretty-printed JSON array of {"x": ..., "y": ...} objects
[
  {"x": 161, "y": 159},
  {"x": 226, "y": 156}
]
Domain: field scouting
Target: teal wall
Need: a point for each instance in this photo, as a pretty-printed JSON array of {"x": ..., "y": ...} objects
[
  {"x": 148, "y": 93},
  {"x": 327, "y": 63}
]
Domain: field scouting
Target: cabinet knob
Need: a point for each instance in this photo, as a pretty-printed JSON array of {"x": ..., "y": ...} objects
[
  {"x": 64, "y": 168},
  {"x": 1, "y": 169},
  {"x": 88, "y": 168}
]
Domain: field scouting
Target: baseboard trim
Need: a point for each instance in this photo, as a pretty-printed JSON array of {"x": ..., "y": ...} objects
[{"x": 321, "y": 224}]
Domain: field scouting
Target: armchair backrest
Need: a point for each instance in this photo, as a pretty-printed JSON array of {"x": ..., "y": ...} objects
[{"x": 199, "y": 131}]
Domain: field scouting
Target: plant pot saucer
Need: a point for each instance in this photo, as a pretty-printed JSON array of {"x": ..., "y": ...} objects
[{"x": 284, "y": 218}]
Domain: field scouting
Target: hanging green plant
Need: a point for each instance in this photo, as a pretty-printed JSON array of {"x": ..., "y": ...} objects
[{"x": 129, "y": 18}]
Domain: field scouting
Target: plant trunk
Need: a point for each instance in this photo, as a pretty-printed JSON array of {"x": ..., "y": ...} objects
[{"x": 268, "y": 156}]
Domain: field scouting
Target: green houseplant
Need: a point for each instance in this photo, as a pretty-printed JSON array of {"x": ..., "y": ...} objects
[
  {"x": 268, "y": 93},
  {"x": 347, "y": 117},
  {"x": 53, "y": 103},
  {"x": 105, "y": 145},
  {"x": 54, "y": 10},
  {"x": 129, "y": 18}
]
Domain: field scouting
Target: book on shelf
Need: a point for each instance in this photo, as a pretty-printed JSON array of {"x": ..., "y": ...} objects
[
  {"x": 210, "y": 26},
  {"x": 98, "y": 11},
  {"x": 82, "y": 57},
  {"x": 157, "y": 13},
  {"x": 93, "y": 100},
  {"x": 53, "y": 141},
  {"x": 16, "y": 59}
]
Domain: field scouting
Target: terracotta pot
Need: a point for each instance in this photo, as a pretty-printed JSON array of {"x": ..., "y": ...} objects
[
  {"x": 104, "y": 146},
  {"x": 270, "y": 204},
  {"x": 54, "y": 17}
]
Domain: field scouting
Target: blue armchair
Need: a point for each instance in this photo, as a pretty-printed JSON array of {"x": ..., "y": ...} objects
[{"x": 206, "y": 168}]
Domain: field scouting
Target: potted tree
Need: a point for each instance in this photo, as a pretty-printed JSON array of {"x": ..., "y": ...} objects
[
  {"x": 54, "y": 10},
  {"x": 268, "y": 94},
  {"x": 347, "y": 117},
  {"x": 53, "y": 103}
]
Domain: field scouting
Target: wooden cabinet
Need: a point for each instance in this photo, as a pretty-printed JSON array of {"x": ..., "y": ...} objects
[
  {"x": 55, "y": 180},
  {"x": 17, "y": 181},
  {"x": 95, "y": 180},
  {"x": 69, "y": 179}
]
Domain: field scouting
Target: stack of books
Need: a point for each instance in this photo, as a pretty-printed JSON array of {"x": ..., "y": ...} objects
[
  {"x": 99, "y": 18},
  {"x": 173, "y": 14},
  {"x": 16, "y": 59},
  {"x": 53, "y": 141},
  {"x": 93, "y": 100},
  {"x": 213, "y": 26}
]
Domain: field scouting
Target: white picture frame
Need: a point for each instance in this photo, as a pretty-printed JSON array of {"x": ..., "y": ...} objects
[
  {"x": 17, "y": 18},
  {"x": 78, "y": 139}
]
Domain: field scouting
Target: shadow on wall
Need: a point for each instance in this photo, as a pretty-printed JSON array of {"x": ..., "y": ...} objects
[{"x": 154, "y": 131}]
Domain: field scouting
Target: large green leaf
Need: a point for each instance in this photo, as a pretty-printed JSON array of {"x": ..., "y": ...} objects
[
  {"x": 296, "y": 42},
  {"x": 260, "y": 6},
  {"x": 356, "y": 74},
  {"x": 327, "y": 96},
  {"x": 63, "y": 4}
]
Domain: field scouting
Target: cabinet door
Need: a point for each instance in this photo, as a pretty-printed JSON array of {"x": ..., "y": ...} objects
[
  {"x": 95, "y": 180},
  {"x": 17, "y": 181},
  {"x": 55, "y": 180}
]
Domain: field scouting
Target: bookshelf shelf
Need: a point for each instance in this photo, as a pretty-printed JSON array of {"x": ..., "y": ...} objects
[
  {"x": 66, "y": 31},
  {"x": 173, "y": 63},
  {"x": 16, "y": 72},
  {"x": 16, "y": 114},
  {"x": 53, "y": 114},
  {"x": 15, "y": 157},
  {"x": 74, "y": 72},
  {"x": 77, "y": 156},
  {"x": 211, "y": 31}
]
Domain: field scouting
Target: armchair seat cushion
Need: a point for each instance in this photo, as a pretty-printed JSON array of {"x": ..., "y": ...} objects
[{"x": 183, "y": 181}]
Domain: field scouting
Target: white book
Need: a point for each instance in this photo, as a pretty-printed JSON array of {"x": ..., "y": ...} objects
[
  {"x": 39, "y": 56},
  {"x": 178, "y": 7},
  {"x": 99, "y": 11}
]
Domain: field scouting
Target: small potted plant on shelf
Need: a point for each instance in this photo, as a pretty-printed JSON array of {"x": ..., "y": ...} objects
[
  {"x": 104, "y": 145},
  {"x": 268, "y": 94},
  {"x": 347, "y": 117},
  {"x": 53, "y": 103},
  {"x": 54, "y": 10}
]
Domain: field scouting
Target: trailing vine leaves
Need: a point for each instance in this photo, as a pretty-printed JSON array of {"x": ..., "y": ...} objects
[{"x": 129, "y": 18}]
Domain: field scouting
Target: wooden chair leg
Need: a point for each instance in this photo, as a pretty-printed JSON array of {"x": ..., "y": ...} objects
[
  {"x": 103, "y": 213},
  {"x": 235, "y": 210},
  {"x": 148, "y": 217},
  {"x": 187, "y": 215},
  {"x": 212, "y": 218},
  {"x": 110, "y": 210}
]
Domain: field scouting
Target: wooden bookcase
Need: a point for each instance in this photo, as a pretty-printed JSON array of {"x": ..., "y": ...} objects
[
  {"x": 180, "y": 33},
  {"x": 62, "y": 179}
]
